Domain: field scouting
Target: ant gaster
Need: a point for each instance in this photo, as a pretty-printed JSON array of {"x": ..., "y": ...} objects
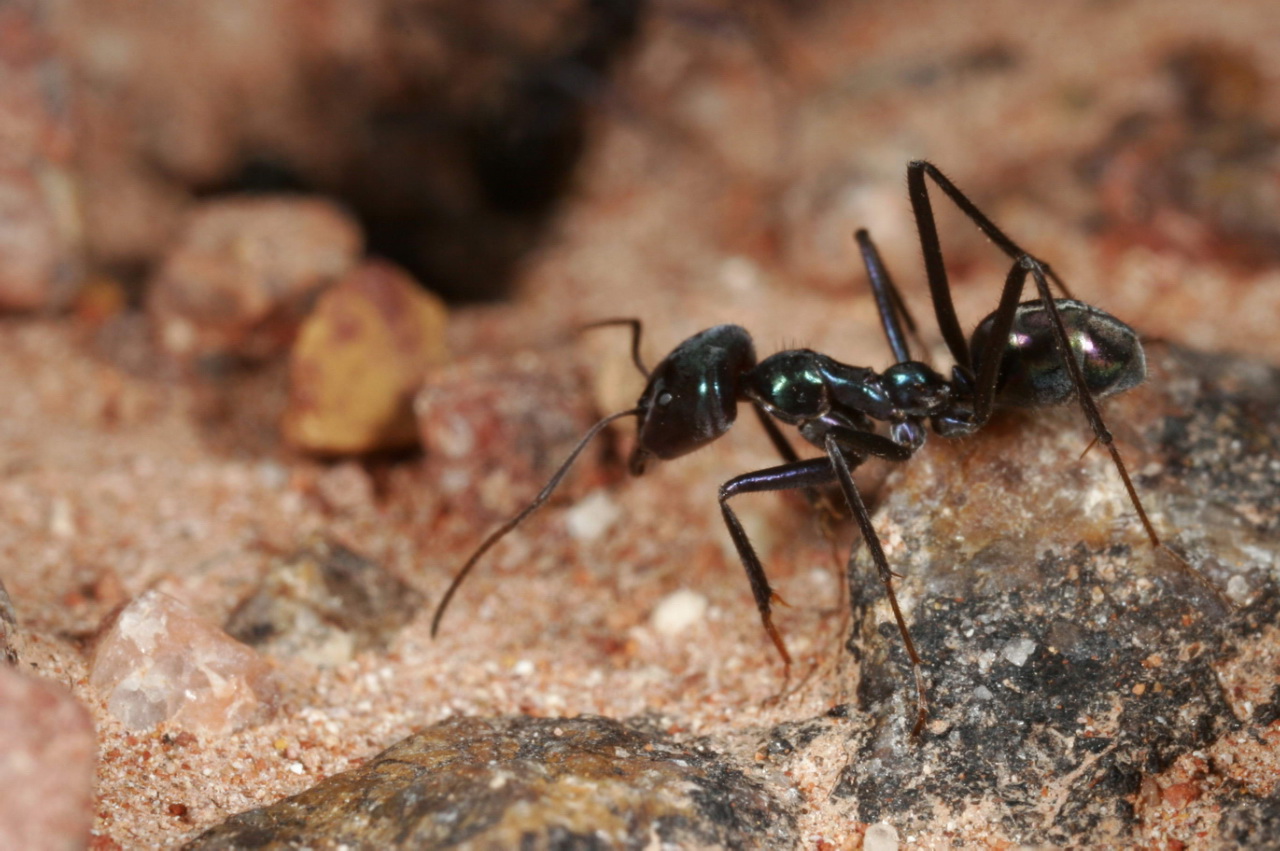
[{"x": 1030, "y": 354}]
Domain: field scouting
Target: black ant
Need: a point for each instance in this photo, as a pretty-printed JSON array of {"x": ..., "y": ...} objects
[{"x": 1017, "y": 357}]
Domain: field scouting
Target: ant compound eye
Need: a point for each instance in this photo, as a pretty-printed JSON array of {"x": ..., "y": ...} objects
[{"x": 664, "y": 398}]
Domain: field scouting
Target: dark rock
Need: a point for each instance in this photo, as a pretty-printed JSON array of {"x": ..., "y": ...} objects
[
  {"x": 324, "y": 604},
  {"x": 1252, "y": 822},
  {"x": 524, "y": 783},
  {"x": 8, "y": 628},
  {"x": 1067, "y": 657}
]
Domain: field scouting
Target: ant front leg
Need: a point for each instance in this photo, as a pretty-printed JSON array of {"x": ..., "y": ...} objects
[
  {"x": 807, "y": 474},
  {"x": 818, "y": 500}
]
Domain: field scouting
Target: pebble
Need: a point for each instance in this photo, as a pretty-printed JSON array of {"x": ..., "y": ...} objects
[
  {"x": 594, "y": 515},
  {"x": 323, "y": 605},
  {"x": 358, "y": 361},
  {"x": 159, "y": 662},
  {"x": 678, "y": 611},
  {"x": 245, "y": 271},
  {"x": 46, "y": 765},
  {"x": 517, "y": 782},
  {"x": 880, "y": 837},
  {"x": 1018, "y": 651}
]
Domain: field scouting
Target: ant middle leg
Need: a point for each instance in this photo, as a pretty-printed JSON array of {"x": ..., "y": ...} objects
[
  {"x": 819, "y": 500},
  {"x": 836, "y": 444}
]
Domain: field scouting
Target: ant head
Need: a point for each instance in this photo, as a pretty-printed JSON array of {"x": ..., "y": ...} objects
[
  {"x": 692, "y": 396},
  {"x": 915, "y": 389}
]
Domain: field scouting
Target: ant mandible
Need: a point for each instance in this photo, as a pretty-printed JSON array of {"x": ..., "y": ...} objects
[{"x": 1017, "y": 357}]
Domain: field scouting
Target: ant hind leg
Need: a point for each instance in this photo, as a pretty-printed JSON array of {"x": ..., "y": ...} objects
[{"x": 931, "y": 246}]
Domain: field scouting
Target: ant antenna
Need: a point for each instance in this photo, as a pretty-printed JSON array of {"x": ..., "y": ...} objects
[
  {"x": 501, "y": 532},
  {"x": 635, "y": 326}
]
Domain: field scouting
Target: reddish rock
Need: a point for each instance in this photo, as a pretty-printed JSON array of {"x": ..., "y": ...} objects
[
  {"x": 39, "y": 219},
  {"x": 496, "y": 428},
  {"x": 160, "y": 662},
  {"x": 359, "y": 358},
  {"x": 245, "y": 271},
  {"x": 46, "y": 765},
  {"x": 1180, "y": 794}
]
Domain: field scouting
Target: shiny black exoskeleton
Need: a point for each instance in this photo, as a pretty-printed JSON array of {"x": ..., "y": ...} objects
[{"x": 1016, "y": 357}]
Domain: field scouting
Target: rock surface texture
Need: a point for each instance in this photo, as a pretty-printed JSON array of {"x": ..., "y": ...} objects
[
  {"x": 1070, "y": 664},
  {"x": 520, "y": 783},
  {"x": 1067, "y": 658}
]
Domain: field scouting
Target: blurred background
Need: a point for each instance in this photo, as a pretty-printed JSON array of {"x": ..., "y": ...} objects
[
  {"x": 612, "y": 156},
  {"x": 242, "y": 243}
]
